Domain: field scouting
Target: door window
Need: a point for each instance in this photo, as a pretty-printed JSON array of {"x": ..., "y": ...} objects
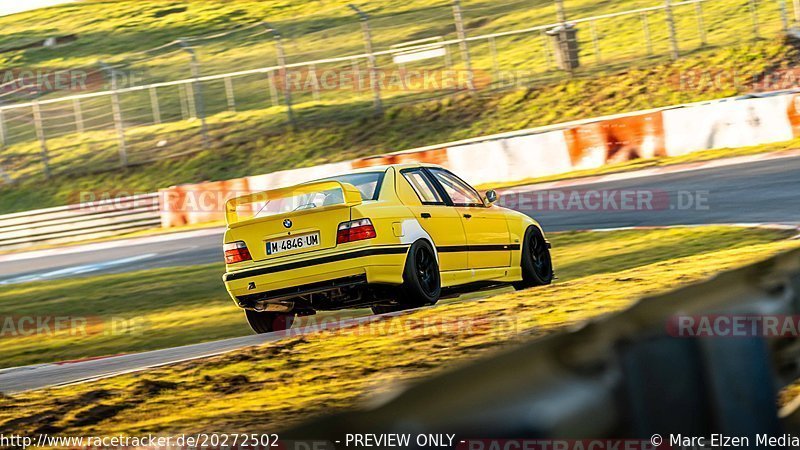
[
  {"x": 459, "y": 191},
  {"x": 423, "y": 187}
]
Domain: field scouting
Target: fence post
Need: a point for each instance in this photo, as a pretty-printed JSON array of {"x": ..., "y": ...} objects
[
  {"x": 273, "y": 89},
  {"x": 182, "y": 98},
  {"x": 154, "y": 106},
  {"x": 78, "y": 113},
  {"x": 673, "y": 37},
  {"x": 312, "y": 74},
  {"x": 371, "y": 61},
  {"x": 784, "y": 16},
  {"x": 754, "y": 16},
  {"x": 646, "y": 28},
  {"x": 230, "y": 94},
  {"x": 701, "y": 27},
  {"x": 2, "y": 129},
  {"x": 287, "y": 91},
  {"x": 354, "y": 67},
  {"x": 596, "y": 42},
  {"x": 796, "y": 6},
  {"x": 495, "y": 62},
  {"x": 547, "y": 51},
  {"x": 188, "y": 94},
  {"x": 37, "y": 123},
  {"x": 564, "y": 39},
  {"x": 117, "y": 114},
  {"x": 197, "y": 90},
  {"x": 462, "y": 43}
]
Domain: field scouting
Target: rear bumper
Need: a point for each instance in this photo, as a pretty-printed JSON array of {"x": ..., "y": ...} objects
[
  {"x": 373, "y": 265},
  {"x": 347, "y": 283}
]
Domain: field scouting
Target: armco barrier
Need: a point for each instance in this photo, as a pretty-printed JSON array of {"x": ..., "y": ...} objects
[
  {"x": 79, "y": 222},
  {"x": 630, "y": 375}
]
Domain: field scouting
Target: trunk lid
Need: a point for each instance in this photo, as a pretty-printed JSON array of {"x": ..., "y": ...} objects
[{"x": 290, "y": 221}]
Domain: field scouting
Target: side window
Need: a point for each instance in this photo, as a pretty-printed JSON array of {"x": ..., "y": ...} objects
[
  {"x": 459, "y": 191},
  {"x": 423, "y": 187}
]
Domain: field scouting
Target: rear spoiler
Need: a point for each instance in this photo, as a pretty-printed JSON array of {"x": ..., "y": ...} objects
[{"x": 351, "y": 194}]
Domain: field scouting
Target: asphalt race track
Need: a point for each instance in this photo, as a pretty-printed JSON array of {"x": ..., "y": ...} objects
[
  {"x": 20, "y": 379},
  {"x": 758, "y": 192}
]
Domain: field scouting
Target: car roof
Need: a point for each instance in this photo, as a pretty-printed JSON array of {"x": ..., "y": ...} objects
[{"x": 385, "y": 167}]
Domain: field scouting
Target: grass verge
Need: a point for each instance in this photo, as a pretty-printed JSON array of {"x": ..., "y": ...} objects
[{"x": 270, "y": 386}]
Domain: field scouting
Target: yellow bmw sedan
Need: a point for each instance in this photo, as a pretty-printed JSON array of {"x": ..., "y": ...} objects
[{"x": 390, "y": 238}]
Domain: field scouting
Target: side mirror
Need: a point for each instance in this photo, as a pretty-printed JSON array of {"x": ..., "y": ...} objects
[{"x": 491, "y": 197}]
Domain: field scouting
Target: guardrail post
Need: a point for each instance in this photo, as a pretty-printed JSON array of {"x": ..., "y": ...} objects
[
  {"x": 287, "y": 87},
  {"x": 701, "y": 27},
  {"x": 230, "y": 95},
  {"x": 197, "y": 90},
  {"x": 371, "y": 61},
  {"x": 154, "y": 106},
  {"x": 117, "y": 114},
  {"x": 646, "y": 28},
  {"x": 754, "y": 17},
  {"x": 462, "y": 43},
  {"x": 673, "y": 37},
  {"x": 37, "y": 123},
  {"x": 78, "y": 113}
]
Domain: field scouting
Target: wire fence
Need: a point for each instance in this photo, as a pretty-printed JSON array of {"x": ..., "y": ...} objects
[{"x": 341, "y": 64}]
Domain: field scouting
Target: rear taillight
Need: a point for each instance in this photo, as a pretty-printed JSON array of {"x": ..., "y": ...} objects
[
  {"x": 356, "y": 230},
  {"x": 236, "y": 252}
]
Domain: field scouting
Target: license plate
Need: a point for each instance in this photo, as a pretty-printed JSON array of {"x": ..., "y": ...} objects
[{"x": 292, "y": 243}]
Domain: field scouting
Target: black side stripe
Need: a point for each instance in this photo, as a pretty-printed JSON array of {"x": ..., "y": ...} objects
[
  {"x": 313, "y": 262},
  {"x": 478, "y": 248}
]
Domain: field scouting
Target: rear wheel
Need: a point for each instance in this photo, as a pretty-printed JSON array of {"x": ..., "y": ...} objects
[
  {"x": 537, "y": 265},
  {"x": 421, "y": 280},
  {"x": 267, "y": 322}
]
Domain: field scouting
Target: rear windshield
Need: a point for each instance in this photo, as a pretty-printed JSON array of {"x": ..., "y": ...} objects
[{"x": 368, "y": 183}]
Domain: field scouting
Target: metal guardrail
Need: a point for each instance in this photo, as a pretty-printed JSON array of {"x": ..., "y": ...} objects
[
  {"x": 79, "y": 222},
  {"x": 623, "y": 376}
]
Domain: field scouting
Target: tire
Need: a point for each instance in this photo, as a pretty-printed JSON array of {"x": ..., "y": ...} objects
[
  {"x": 267, "y": 322},
  {"x": 537, "y": 265},
  {"x": 422, "y": 284}
]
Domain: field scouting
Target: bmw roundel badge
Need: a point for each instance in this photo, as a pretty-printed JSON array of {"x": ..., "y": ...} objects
[{"x": 287, "y": 223}]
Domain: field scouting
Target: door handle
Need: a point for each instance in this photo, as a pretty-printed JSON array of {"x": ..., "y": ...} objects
[
  {"x": 425, "y": 215},
  {"x": 468, "y": 216}
]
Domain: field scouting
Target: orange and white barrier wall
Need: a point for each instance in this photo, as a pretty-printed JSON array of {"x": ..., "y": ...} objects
[{"x": 537, "y": 152}]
